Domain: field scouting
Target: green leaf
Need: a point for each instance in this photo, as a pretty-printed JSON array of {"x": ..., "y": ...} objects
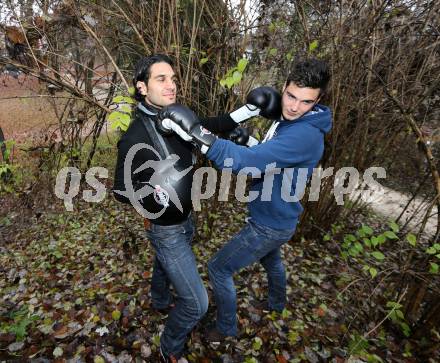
[
  {"x": 57, "y": 254},
  {"x": 374, "y": 241},
  {"x": 313, "y": 45},
  {"x": 98, "y": 359},
  {"x": 378, "y": 255},
  {"x": 326, "y": 237},
  {"x": 123, "y": 99},
  {"x": 346, "y": 244},
  {"x": 405, "y": 329},
  {"x": 353, "y": 252},
  {"x": 367, "y": 242},
  {"x": 156, "y": 340},
  {"x": 390, "y": 235},
  {"x": 293, "y": 337},
  {"x": 431, "y": 251},
  {"x": 257, "y": 343},
  {"x": 394, "y": 226},
  {"x": 223, "y": 82},
  {"x": 203, "y": 61},
  {"x": 373, "y": 272},
  {"x": 434, "y": 268},
  {"x": 393, "y": 304},
  {"x": 118, "y": 99},
  {"x": 119, "y": 120},
  {"x": 351, "y": 237},
  {"x": 273, "y": 52},
  {"x": 381, "y": 238},
  {"x": 116, "y": 116},
  {"x": 438, "y": 256},
  {"x": 285, "y": 313},
  {"x": 436, "y": 246},
  {"x": 412, "y": 239},
  {"x": 242, "y": 63},
  {"x": 131, "y": 91},
  {"x": 367, "y": 229},
  {"x": 229, "y": 82},
  {"x": 358, "y": 246},
  {"x": 116, "y": 314},
  {"x": 399, "y": 314},
  {"x": 360, "y": 233},
  {"x": 289, "y": 56},
  {"x": 236, "y": 76},
  {"x": 357, "y": 344},
  {"x": 392, "y": 315}
]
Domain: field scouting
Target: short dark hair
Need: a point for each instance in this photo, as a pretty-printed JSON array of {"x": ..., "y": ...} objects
[
  {"x": 142, "y": 70},
  {"x": 311, "y": 73}
]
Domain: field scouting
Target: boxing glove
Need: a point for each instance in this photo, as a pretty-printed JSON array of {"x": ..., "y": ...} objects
[
  {"x": 264, "y": 101},
  {"x": 239, "y": 135},
  {"x": 186, "y": 124}
]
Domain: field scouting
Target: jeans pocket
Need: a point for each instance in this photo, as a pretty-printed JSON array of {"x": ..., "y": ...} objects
[{"x": 267, "y": 239}]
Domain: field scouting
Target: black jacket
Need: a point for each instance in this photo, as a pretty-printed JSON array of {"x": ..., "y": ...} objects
[{"x": 137, "y": 133}]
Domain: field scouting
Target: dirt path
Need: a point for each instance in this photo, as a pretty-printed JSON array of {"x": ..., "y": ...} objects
[{"x": 390, "y": 204}]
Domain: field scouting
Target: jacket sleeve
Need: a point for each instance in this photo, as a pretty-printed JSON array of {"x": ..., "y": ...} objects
[
  {"x": 142, "y": 155},
  {"x": 218, "y": 124},
  {"x": 290, "y": 149}
]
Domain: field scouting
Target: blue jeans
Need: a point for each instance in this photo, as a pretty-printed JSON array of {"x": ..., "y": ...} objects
[
  {"x": 253, "y": 243},
  {"x": 175, "y": 264}
]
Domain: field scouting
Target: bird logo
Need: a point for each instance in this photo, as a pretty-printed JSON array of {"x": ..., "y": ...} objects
[{"x": 164, "y": 174}]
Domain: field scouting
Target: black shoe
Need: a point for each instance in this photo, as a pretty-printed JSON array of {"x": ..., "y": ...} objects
[
  {"x": 164, "y": 311},
  {"x": 264, "y": 307},
  {"x": 212, "y": 335}
]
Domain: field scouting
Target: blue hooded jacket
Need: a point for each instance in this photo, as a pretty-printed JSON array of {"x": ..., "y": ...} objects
[{"x": 280, "y": 167}]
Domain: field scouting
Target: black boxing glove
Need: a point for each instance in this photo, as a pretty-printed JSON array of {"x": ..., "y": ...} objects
[
  {"x": 186, "y": 124},
  {"x": 239, "y": 135},
  {"x": 264, "y": 101}
]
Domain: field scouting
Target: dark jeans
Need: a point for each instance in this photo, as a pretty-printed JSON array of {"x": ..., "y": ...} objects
[
  {"x": 175, "y": 264},
  {"x": 252, "y": 244}
]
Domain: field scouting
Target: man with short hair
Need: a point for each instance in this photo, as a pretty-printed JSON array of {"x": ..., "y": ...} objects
[{"x": 281, "y": 165}]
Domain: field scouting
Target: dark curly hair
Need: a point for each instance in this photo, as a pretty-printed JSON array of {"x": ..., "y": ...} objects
[
  {"x": 142, "y": 70},
  {"x": 311, "y": 73}
]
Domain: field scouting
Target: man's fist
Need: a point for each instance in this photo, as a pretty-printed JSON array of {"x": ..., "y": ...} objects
[
  {"x": 239, "y": 135},
  {"x": 180, "y": 115},
  {"x": 264, "y": 101},
  {"x": 268, "y": 100},
  {"x": 185, "y": 123}
]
